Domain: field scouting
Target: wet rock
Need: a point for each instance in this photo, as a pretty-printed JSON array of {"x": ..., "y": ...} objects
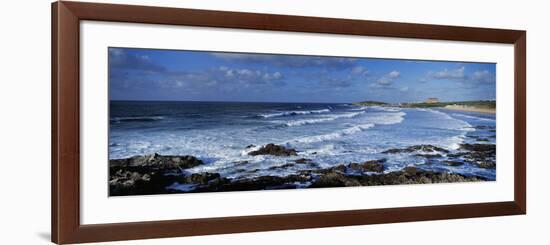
[
  {"x": 483, "y": 155},
  {"x": 423, "y": 148},
  {"x": 157, "y": 161},
  {"x": 287, "y": 165},
  {"x": 127, "y": 179},
  {"x": 335, "y": 180},
  {"x": 303, "y": 160},
  {"x": 153, "y": 174},
  {"x": 478, "y": 138},
  {"x": 453, "y": 163},
  {"x": 257, "y": 183},
  {"x": 137, "y": 182},
  {"x": 341, "y": 168},
  {"x": 250, "y": 146},
  {"x": 201, "y": 178},
  {"x": 456, "y": 155},
  {"x": 413, "y": 175},
  {"x": 369, "y": 166},
  {"x": 429, "y": 156},
  {"x": 479, "y": 147},
  {"x": 149, "y": 174},
  {"x": 275, "y": 150},
  {"x": 486, "y": 164},
  {"x": 410, "y": 171}
]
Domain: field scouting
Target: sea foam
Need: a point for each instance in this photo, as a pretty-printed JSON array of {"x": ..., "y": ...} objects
[
  {"x": 293, "y": 113},
  {"x": 333, "y": 135},
  {"x": 136, "y": 119},
  {"x": 322, "y": 119}
]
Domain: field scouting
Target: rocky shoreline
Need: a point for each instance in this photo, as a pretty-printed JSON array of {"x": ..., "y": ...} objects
[{"x": 161, "y": 174}]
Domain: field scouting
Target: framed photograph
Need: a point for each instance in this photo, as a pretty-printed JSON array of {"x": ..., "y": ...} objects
[{"x": 176, "y": 122}]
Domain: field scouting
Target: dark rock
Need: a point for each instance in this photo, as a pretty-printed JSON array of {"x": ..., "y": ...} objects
[
  {"x": 201, "y": 178},
  {"x": 157, "y": 161},
  {"x": 482, "y": 155},
  {"x": 128, "y": 182},
  {"x": 429, "y": 156},
  {"x": 149, "y": 174},
  {"x": 302, "y": 160},
  {"x": 410, "y": 171},
  {"x": 250, "y": 146},
  {"x": 127, "y": 179},
  {"x": 486, "y": 164},
  {"x": 341, "y": 168},
  {"x": 478, "y": 138},
  {"x": 479, "y": 147},
  {"x": 335, "y": 180},
  {"x": 456, "y": 155},
  {"x": 453, "y": 163},
  {"x": 369, "y": 166},
  {"x": 258, "y": 183},
  {"x": 424, "y": 148},
  {"x": 287, "y": 165},
  {"x": 409, "y": 175},
  {"x": 272, "y": 149},
  {"x": 153, "y": 174}
]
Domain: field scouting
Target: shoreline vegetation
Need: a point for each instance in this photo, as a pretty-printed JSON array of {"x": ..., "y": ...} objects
[
  {"x": 483, "y": 106},
  {"x": 161, "y": 174}
]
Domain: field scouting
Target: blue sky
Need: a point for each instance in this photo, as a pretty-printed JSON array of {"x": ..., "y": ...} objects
[{"x": 148, "y": 74}]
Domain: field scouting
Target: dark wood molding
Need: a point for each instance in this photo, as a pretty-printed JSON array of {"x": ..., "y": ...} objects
[
  {"x": 66, "y": 17},
  {"x": 520, "y": 126}
]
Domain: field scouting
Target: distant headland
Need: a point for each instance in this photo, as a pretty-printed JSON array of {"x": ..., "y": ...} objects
[{"x": 484, "y": 106}]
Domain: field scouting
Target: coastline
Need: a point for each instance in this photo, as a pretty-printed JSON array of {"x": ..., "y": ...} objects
[
  {"x": 470, "y": 109},
  {"x": 165, "y": 174}
]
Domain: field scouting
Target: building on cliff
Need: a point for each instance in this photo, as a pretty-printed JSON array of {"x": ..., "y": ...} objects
[{"x": 432, "y": 100}]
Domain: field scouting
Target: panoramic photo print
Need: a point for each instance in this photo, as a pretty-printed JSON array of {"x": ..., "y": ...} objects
[{"x": 199, "y": 121}]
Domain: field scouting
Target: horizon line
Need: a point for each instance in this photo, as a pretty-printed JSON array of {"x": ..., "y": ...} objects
[{"x": 293, "y": 102}]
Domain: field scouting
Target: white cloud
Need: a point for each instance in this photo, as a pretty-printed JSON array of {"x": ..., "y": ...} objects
[
  {"x": 272, "y": 76},
  {"x": 459, "y": 75},
  {"x": 388, "y": 79},
  {"x": 294, "y": 61},
  {"x": 394, "y": 74},
  {"x": 456, "y": 74},
  {"x": 244, "y": 72},
  {"x": 359, "y": 70}
]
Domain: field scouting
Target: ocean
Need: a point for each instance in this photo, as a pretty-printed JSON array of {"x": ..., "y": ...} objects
[{"x": 222, "y": 134}]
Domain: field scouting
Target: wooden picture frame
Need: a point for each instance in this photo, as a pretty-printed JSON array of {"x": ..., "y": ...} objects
[{"x": 65, "y": 176}]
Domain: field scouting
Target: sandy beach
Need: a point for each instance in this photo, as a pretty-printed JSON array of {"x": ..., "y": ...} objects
[{"x": 470, "y": 108}]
